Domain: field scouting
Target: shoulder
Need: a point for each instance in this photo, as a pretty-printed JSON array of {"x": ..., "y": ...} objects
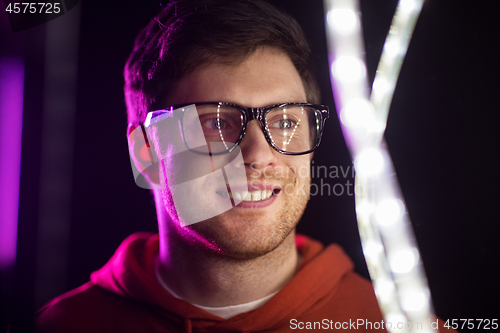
[
  {"x": 88, "y": 308},
  {"x": 356, "y": 293},
  {"x": 328, "y": 274},
  {"x": 73, "y": 308},
  {"x": 350, "y": 297}
]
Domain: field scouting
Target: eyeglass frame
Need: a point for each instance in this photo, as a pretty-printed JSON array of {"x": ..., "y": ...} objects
[{"x": 249, "y": 114}]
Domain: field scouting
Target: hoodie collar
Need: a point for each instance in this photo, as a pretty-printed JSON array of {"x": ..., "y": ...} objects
[{"x": 130, "y": 273}]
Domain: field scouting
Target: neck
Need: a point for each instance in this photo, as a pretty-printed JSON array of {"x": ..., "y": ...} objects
[{"x": 204, "y": 277}]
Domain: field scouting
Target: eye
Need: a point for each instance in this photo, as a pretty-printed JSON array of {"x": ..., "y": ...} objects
[
  {"x": 214, "y": 123},
  {"x": 217, "y": 123},
  {"x": 283, "y": 124}
]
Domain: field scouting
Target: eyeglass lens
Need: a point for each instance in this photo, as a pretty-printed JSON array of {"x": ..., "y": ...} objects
[{"x": 291, "y": 129}]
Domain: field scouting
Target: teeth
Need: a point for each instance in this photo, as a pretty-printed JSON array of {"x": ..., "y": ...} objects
[
  {"x": 256, "y": 195},
  {"x": 245, "y": 195},
  {"x": 252, "y": 195}
]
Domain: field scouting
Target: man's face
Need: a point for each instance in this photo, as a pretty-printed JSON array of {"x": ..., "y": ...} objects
[{"x": 260, "y": 223}]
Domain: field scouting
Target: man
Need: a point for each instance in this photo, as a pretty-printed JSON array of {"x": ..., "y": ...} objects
[{"x": 214, "y": 90}]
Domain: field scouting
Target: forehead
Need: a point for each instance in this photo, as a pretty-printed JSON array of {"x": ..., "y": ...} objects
[{"x": 266, "y": 77}]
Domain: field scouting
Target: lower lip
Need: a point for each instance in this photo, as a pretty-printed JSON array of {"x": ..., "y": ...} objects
[{"x": 258, "y": 204}]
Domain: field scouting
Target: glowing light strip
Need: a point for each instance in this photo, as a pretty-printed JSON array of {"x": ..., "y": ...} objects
[
  {"x": 388, "y": 242},
  {"x": 393, "y": 53}
]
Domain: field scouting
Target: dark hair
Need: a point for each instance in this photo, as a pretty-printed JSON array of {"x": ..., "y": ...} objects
[{"x": 191, "y": 33}]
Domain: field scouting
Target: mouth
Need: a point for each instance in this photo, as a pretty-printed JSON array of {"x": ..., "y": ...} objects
[{"x": 258, "y": 195}]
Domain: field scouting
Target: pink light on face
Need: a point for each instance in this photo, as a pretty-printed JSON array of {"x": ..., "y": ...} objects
[{"x": 11, "y": 120}]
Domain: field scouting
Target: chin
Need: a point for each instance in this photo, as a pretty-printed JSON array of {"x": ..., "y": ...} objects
[
  {"x": 242, "y": 233},
  {"x": 247, "y": 236}
]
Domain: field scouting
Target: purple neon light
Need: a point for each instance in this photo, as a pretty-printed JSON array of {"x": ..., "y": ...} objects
[{"x": 11, "y": 120}]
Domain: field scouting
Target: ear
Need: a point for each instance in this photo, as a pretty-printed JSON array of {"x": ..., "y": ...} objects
[{"x": 142, "y": 158}]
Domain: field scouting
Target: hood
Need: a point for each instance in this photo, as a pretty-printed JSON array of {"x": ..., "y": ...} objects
[{"x": 130, "y": 273}]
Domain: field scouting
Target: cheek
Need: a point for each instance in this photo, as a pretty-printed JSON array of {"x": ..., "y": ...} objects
[
  {"x": 166, "y": 138},
  {"x": 301, "y": 165},
  {"x": 305, "y": 173},
  {"x": 299, "y": 170},
  {"x": 167, "y": 168},
  {"x": 160, "y": 142},
  {"x": 165, "y": 149}
]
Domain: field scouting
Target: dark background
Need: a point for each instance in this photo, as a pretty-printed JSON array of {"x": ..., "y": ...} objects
[{"x": 441, "y": 133}]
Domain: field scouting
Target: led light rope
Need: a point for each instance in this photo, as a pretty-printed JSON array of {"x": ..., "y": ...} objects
[{"x": 387, "y": 239}]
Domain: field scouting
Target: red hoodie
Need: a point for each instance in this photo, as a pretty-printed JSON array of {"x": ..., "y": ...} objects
[{"x": 125, "y": 296}]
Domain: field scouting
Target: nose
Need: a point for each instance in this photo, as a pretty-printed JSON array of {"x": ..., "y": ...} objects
[{"x": 257, "y": 153}]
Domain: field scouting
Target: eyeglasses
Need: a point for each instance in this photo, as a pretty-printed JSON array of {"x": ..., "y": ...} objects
[{"x": 218, "y": 127}]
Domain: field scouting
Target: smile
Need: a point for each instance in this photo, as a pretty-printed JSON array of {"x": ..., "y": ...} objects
[{"x": 258, "y": 195}]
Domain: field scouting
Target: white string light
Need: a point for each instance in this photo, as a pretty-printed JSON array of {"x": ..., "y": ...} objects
[{"x": 388, "y": 242}]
